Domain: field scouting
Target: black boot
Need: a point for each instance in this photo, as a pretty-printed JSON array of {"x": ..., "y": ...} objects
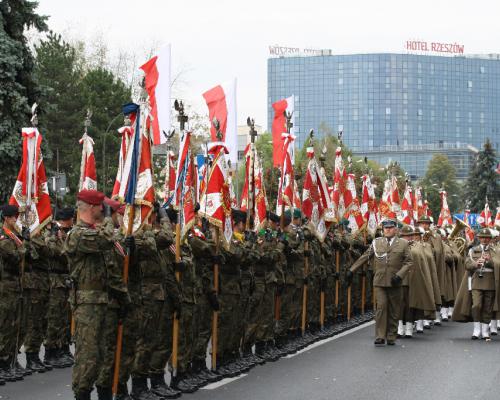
[
  {"x": 2, "y": 382},
  {"x": 104, "y": 393},
  {"x": 65, "y": 357},
  {"x": 83, "y": 395},
  {"x": 181, "y": 383},
  {"x": 202, "y": 370},
  {"x": 20, "y": 369},
  {"x": 6, "y": 372},
  {"x": 34, "y": 364},
  {"x": 140, "y": 389},
  {"x": 52, "y": 358},
  {"x": 122, "y": 392},
  {"x": 159, "y": 387}
]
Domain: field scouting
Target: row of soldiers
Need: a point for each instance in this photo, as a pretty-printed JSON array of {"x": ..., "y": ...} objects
[
  {"x": 260, "y": 298},
  {"x": 424, "y": 276}
]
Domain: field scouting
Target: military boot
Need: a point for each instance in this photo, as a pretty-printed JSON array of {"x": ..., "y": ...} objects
[
  {"x": 140, "y": 390},
  {"x": 104, "y": 393},
  {"x": 122, "y": 392},
  {"x": 200, "y": 368},
  {"x": 52, "y": 358},
  {"x": 179, "y": 382},
  {"x": 6, "y": 373},
  {"x": 67, "y": 355},
  {"x": 34, "y": 364},
  {"x": 20, "y": 369},
  {"x": 159, "y": 387},
  {"x": 83, "y": 395},
  {"x": 2, "y": 382},
  {"x": 63, "y": 360}
]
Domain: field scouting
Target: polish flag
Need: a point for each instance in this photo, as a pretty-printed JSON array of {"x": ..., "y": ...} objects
[
  {"x": 368, "y": 205},
  {"x": 353, "y": 211},
  {"x": 407, "y": 207},
  {"x": 385, "y": 204},
  {"x": 221, "y": 103},
  {"x": 88, "y": 177},
  {"x": 157, "y": 79},
  {"x": 279, "y": 126},
  {"x": 445, "y": 215},
  {"x": 497, "y": 217},
  {"x": 469, "y": 232},
  {"x": 396, "y": 204},
  {"x": 484, "y": 218}
]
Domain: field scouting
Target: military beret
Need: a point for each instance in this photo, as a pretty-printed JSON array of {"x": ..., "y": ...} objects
[
  {"x": 407, "y": 230},
  {"x": 484, "y": 233},
  {"x": 297, "y": 213},
  {"x": 273, "y": 217},
  {"x": 91, "y": 196},
  {"x": 238, "y": 216},
  {"x": 9, "y": 210},
  {"x": 63, "y": 214},
  {"x": 172, "y": 214},
  {"x": 113, "y": 204}
]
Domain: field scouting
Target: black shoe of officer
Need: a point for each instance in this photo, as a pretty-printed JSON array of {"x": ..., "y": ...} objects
[
  {"x": 160, "y": 388},
  {"x": 182, "y": 384},
  {"x": 83, "y": 395},
  {"x": 104, "y": 393}
]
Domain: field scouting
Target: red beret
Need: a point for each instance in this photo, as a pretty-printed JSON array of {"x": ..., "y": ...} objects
[
  {"x": 115, "y": 205},
  {"x": 121, "y": 210},
  {"x": 92, "y": 197}
]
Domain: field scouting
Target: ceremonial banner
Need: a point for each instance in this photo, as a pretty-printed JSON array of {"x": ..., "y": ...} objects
[
  {"x": 31, "y": 193},
  {"x": 286, "y": 188},
  {"x": 484, "y": 218},
  {"x": 135, "y": 183},
  {"x": 445, "y": 215},
  {"x": 407, "y": 207},
  {"x": 221, "y": 103},
  {"x": 215, "y": 202},
  {"x": 395, "y": 203},
  {"x": 341, "y": 197},
  {"x": 368, "y": 206},
  {"x": 385, "y": 204},
  {"x": 469, "y": 232},
  {"x": 353, "y": 211},
  {"x": 169, "y": 171},
  {"x": 497, "y": 217},
  {"x": 88, "y": 177},
  {"x": 260, "y": 205},
  {"x": 184, "y": 192},
  {"x": 418, "y": 205},
  {"x": 316, "y": 205},
  {"x": 279, "y": 127},
  {"x": 157, "y": 79}
]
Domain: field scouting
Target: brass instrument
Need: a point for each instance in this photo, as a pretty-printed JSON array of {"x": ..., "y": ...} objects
[{"x": 458, "y": 228}]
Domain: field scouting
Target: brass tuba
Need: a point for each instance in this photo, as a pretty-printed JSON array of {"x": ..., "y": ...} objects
[{"x": 458, "y": 228}]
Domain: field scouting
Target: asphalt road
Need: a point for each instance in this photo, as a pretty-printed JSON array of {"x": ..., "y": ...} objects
[{"x": 443, "y": 363}]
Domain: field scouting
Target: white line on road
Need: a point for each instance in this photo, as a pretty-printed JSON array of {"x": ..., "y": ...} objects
[{"x": 225, "y": 381}]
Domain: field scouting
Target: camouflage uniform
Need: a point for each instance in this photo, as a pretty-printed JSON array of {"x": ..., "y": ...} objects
[
  {"x": 317, "y": 275},
  {"x": 11, "y": 254},
  {"x": 94, "y": 286},
  {"x": 327, "y": 248}
]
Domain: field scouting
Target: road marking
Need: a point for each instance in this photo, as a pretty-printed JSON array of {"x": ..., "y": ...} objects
[
  {"x": 225, "y": 381},
  {"x": 322, "y": 342}
]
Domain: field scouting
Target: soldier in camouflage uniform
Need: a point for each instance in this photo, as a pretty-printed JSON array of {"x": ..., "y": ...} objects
[
  {"x": 356, "y": 249},
  {"x": 58, "y": 315},
  {"x": 12, "y": 251},
  {"x": 315, "y": 278},
  {"x": 328, "y": 250},
  {"x": 93, "y": 287}
]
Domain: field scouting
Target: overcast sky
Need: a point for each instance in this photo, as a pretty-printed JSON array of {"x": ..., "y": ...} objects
[{"x": 216, "y": 40}]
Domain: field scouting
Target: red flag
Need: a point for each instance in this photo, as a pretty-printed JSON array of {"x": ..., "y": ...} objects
[
  {"x": 407, "y": 206},
  {"x": 215, "y": 201},
  {"x": 341, "y": 197},
  {"x": 88, "y": 177},
  {"x": 369, "y": 206},
  {"x": 353, "y": 211},
  {"x": 221, "y": 103},
  {"x": 279, "y": 127},
  {"x": 396, "y": 204},
  {"x": 497, "y": 217},
  {"x": 169, "y": 172},
  {"x": 286, "y": 185},
  {"x": 31, "y": 193},
  {"x": 127, "y": 133},
  {"x": 418, "y": 205},
  {"x": 316, "y": 204},
  {"x": 484, "y": 218},
  {"x": 469, "y": 232},
  {"x": 385, "y": 204},
  {"x": 445, "y": 215}
]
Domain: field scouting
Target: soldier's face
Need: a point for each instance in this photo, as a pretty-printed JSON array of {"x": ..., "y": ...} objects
[
  {"x": 485, "y": 240},
  {"x": 389, "y": 231},
  {"x": 425, "y": 225},
  {"x": 10, "y": 221}
]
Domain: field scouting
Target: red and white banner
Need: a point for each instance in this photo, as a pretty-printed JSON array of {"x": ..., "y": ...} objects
[
  {"x": 368, "y": 206},
  {"x": 127, "y": 133},
  {"x": 31, "y": 193},
  {"x": 260, "y": 205},
  {"x": 341, "y": 197},
  {"x": 484, "y": 218},
  {"x": 385, "y": 204},
  {"x": 279, "y": 127},
  {"x": 418, "y": 205},
  {"x": 353, "y": 211},
  {"x": 169, "y": 171},
  {"x": 395, "y": 203},
  {"x": 157, "y": 79},
  {"x": 184, "y": 199},
  {"x": 286, "y": 188},
  {"x": 88, "y": 176},
  {"x": 469, "y": 232},
  {"x": 407, "y": 207},
  {"x": 316, "y": 204},
  {"x": 221, "y": 103},
  {"x": 215, "y": 201},
  {"x": 445, "y": 218},
  {"x": 497, "y": 217}
]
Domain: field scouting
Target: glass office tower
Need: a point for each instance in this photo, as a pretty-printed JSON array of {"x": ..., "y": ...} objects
[{"x": 399, "y": 107}]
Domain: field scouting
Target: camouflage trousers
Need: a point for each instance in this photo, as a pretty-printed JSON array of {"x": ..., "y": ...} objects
[
  {"x": 287, "y": 310},
  {"x": 90, "y": 344},
  {"x": 330, "y": 299},
  {"x": 148, "y": 336},
  {"x": 313, "y": 300},
  {"x": 230, "y": 317},
  {"x": 109, "y": 339},
  {"x": 186, "y": 337},
  {"x": 9, "y": 319},
  {"x": 162, "y": 348},
  {"x": 58, "y": 320},
  {"x": 34, "y": 319},
  {"x": 265, "y": 330},
  {"x": 255, "y": 308},
  {"x": 203, "y": 324},
  {"x": 298, "y": 294}
]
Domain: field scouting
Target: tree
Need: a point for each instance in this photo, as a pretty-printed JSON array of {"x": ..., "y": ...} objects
[
  {"x": 18, "y": 87},
  {"x": 482, "y": 181},
  {"x": 441, "y": 175}
]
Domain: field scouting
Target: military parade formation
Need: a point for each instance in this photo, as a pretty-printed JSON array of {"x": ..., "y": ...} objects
[{"x": 164, "y": 293}]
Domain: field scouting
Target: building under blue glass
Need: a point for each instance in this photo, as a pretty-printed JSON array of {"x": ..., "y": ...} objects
[{"x": 394, "y": 107}]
